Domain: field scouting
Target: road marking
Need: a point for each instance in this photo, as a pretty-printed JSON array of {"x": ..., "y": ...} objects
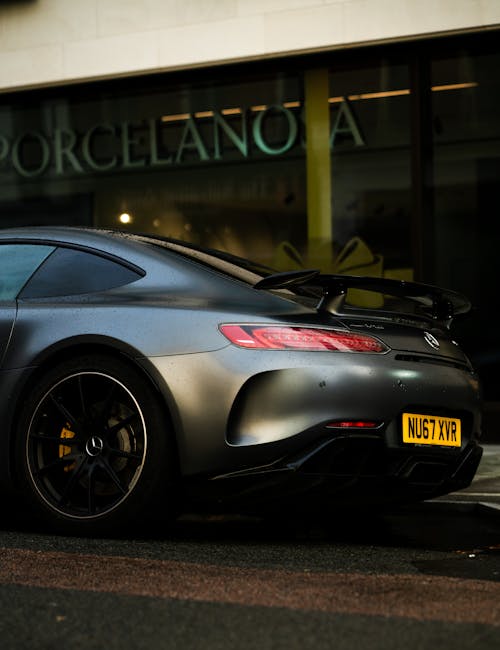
[{"x": 403, "y": 595}]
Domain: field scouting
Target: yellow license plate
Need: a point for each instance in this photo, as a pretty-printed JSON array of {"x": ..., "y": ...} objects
[{"x": 431, "y": 430}]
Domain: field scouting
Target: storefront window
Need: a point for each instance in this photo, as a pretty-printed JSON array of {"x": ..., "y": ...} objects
[
  {"x": 215, "y": 163},
  {"x": 232, "y": 159},
  {"x": 466, "y": 129},
  {"x": 371, "y": 170}
]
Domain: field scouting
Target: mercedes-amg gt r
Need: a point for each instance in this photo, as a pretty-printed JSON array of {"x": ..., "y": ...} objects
[{"x": 142, "y": 376}]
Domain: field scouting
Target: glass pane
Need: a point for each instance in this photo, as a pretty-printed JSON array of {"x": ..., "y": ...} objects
[
  {"x": 371, "y": 174},
  {"x": 70, "y": 272},
  {"x": 214, "y": 162},
  {"x": 18, "y": 262},
  {"x": 465, "y": 100}
]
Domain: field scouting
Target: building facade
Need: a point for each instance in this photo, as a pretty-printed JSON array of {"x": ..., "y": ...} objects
[{"x": 353, "y": 135}]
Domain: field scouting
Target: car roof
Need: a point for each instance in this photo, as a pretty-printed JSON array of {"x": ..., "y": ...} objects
[
  {"x": 65, "y": 234},
  {"x": 136, "y": 248}
]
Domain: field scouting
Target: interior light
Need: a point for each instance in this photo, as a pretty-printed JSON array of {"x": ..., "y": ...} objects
[
  {"x": 181, "y": 117},
  {"x": 381, "y": 95},
  {"x": 399, "y": 93},
  {"x": 472, "y": 84},
  {"x": 125, "y": 218}
]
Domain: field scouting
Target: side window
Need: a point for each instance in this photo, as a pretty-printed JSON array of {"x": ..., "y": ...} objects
[
  {"x": 18, "y": 262},
  {"x": 71, "y": 272}
]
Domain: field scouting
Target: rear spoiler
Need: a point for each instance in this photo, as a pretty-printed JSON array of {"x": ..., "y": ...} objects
[{"x": 431, "y": 303}]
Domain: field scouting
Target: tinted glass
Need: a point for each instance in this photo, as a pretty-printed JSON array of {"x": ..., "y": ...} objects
[
  {"x": 466, "y": 175},
  {"x": 17, "y": 263},
  {"x": 212, "y": 160},
  {"x": 371, "y": 171},
  {"x": 70, "y": 272}
]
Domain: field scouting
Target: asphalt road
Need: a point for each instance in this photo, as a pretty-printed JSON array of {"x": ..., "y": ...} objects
[{"x": 408, "y": 579}]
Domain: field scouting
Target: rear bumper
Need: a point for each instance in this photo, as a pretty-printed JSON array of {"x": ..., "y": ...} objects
[
  {"x": 344, "y": 472},
  {"x": 233, "y": 408}
]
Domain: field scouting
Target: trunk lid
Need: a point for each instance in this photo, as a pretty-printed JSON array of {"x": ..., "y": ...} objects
[{"x": 410, "y": 317}]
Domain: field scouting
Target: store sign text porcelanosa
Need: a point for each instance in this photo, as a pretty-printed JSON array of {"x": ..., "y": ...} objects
[{"x": 135, "y": 145}]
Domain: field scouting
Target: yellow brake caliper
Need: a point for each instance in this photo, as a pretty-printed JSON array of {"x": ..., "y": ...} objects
[{"x": 64, "y": 450}]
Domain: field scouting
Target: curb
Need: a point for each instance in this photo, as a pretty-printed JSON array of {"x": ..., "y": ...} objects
[
  {"x": 488, "y": 509},
  {"x": 480, "y": 508}
]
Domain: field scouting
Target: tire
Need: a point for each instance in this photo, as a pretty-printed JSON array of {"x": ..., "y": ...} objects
[{"x": 94, "y": 447}]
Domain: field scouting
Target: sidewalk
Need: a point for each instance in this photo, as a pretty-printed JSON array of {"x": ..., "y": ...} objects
[{"x": 484, "y": 490}]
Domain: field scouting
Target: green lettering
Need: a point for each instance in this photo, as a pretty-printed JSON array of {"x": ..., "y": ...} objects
[
  {"x": 4, "y": 148},
  {"x": 18, "y": 161},
  {"x": 191, "y": 141},
  {"x": 87, "y": 143},
  {"x": 64, "y": 145},
  {"x": 345, "y": 124},
  {"x": 240, "y": 142},
  {"x": 258, "y": 130},
  {"x": 156, "y": 160},
  {"x": 128, "y": 141}
]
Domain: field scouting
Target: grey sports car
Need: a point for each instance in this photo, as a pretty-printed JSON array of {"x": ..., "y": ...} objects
[{"x": 142, "y": 376}]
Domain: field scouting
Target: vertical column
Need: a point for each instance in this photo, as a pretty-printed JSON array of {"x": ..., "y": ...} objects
[
  {"x": 422, "y": 170},
  {"x": 319, "y": 217}
]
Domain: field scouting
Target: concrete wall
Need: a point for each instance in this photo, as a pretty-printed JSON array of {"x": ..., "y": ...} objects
[{"x": 58, "y": 41}]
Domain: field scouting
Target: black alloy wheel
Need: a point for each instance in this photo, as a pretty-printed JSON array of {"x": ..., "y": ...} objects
[{"x": 94, "y": 443}]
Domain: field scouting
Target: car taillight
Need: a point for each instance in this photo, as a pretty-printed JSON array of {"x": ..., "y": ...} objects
[{"x": 278, "y": 337}]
